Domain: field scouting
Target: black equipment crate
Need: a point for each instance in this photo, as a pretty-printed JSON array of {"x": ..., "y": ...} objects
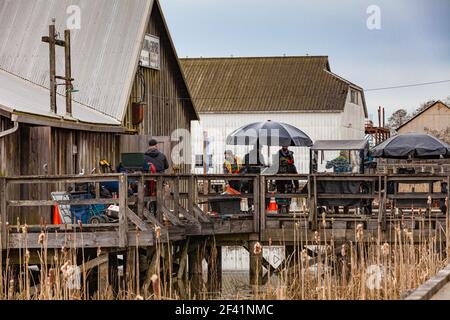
[{"x": 225, "y": 206}]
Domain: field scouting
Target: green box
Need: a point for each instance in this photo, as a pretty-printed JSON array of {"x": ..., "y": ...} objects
[{"x": 132, "y": 160}]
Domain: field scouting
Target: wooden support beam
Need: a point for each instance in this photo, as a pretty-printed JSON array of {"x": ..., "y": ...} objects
[
  {"x": 141, "y": 195},
  {"x": 137, "y": 221},
  {"x": 170, "y": 216},
  {"x": 195, "y": 259},
  {"x": 191, "y": 195},
  {"x": 152, "y": 219},
  {"x": 176, "y": 196},
  {"x": 262, "y": 203},
  {"x": 159, "y": 198},
  {"x": 3, "y": 213},
  {"x": 183, "y": 260},
  {"x": 131, "y": 269},
  {"x": 256, "y": 205},
  {"x": 200, "y": 215},
  {"x": 215, "y": 270},
  {"x": 189, "y": 216},
  {"x": 103, "y": 278},
  {"x": 123, "y": 206}
]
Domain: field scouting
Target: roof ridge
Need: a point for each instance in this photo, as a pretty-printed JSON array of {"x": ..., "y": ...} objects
[{"x": 252, "y": 57}]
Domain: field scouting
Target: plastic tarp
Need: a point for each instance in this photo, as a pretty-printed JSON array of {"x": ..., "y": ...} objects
[{"x": 414, "y": 145}]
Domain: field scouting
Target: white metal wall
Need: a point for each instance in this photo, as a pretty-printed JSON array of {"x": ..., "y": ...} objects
[{"x": 319, "y": 126}]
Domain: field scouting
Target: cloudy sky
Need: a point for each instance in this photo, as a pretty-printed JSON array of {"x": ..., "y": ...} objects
[{"x": 412, "y": 46}]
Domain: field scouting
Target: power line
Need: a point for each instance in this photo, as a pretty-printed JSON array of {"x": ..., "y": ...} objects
[
  {"x": 407, "y": 85},
  {"x": 294, "y": 96}
]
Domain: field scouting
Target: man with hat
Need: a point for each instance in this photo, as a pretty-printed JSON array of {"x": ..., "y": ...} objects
[{"x": 156, "y": 157}]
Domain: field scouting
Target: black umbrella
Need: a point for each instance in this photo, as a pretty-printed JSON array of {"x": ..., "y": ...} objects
[
  {"x": 269, "y": 133},
  {"x": 414, "y": 145}
]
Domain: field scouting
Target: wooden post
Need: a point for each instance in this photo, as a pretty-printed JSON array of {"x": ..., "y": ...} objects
[
  {"x": 215, "y": 270},
  {"x": 380, "y": 212},
  {"x": 256, "y": 205},
  {"x": 103, "y": 278},
  {"x": 140, "y": 203},
  {"x": 262, "y": 203},
  {"x": 310, "y": 203},
  {"x": 123, "y": 205},
  {"x": 314, "y": 208},
  {"x": 255, "y": 266},
  {"x": 195, "y": 268},
  {"x": 191, "y": 191},
  {"x": 68, "y": 67},
  {"x": 159, "y": 199},
  {"x": 4, "y": 213},
  {"x": 130, "y": 269},
  {"x": 113, "y": 275},
  {"x": 176, "y": 197},
  {"x": 383, "y": 225},
  {"x": 52, "y": 56}
]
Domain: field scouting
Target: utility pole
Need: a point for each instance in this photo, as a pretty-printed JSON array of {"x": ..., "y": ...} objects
[
  {"x": 68, "y": 67},
  {"x": 53, "y": 42}
]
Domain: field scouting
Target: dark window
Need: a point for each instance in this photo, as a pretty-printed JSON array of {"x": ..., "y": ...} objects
[
  {"x": 199, "y": 161},
  {"x": 354, "y": 96}
]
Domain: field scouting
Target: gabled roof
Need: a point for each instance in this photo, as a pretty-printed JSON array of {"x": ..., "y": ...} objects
[
  {"x": 422, "y": 111},
  {"x": 105, "y": 53},
  {"x": 265, "y": 84}
]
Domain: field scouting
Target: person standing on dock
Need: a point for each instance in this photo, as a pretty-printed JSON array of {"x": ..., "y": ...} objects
[
  {"x": 253, "y": 164},
  {"x": 232, "y": 165},
  {"x": 154, "y": 162},
  {"x": 286, "y": 166},
  {"x": 156, "y": 157}
]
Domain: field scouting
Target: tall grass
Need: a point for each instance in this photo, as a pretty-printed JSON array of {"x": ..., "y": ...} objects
[{"x": 364, "y": 268}]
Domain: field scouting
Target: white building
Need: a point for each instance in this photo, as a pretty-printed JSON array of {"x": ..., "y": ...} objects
[{"x": 301, "y": 91}]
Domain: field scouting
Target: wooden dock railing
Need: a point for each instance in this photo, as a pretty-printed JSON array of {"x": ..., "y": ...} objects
[{"x": 181, "y": 203}]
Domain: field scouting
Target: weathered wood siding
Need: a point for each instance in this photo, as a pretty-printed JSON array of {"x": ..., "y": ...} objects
[
  {"x": 9, "y": 149},
  {"x": 81, "y": 151},
  {"x": 36, "y": 150},
  {"x": 168, "y": 106}
]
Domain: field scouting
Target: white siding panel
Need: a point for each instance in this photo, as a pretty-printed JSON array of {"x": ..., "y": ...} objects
[{"x": 319, "y": 126}]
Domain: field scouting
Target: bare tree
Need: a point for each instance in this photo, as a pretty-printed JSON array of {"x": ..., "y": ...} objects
[
  {"x": 398, "y": 118},
  {"x": 444, "y": 135}
]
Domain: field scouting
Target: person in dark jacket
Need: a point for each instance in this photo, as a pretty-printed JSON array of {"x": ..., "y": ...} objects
[
  {"x": 253, "y": 164},
  {"x": 159, "y": 161},
  {"x": 286, "y": 166},
  {"x": 156, "y": 157}
]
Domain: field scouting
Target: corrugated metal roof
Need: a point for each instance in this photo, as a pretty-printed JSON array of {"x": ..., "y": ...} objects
[
  {"x": 24, "y": 96},
  {"x": 105, "y": 50},
  {"x": 301, "y": 83}
]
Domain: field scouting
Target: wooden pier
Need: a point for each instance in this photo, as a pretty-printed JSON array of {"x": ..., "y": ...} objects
[{"x": 184, "y": 226}]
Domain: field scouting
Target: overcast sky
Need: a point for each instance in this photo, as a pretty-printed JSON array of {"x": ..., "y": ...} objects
[{"x": 412, "y": 46}]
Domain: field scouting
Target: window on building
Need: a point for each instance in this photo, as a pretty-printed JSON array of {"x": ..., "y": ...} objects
[
  {"x": 354, "y": 96},
  {"x": 199, "y": 161}
]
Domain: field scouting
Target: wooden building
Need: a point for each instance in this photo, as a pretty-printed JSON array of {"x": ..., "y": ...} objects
[
  {"x": 300, "y": 90},
  {"x": 434, "y": 117},
  {"x": 112, "y": 79}
]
